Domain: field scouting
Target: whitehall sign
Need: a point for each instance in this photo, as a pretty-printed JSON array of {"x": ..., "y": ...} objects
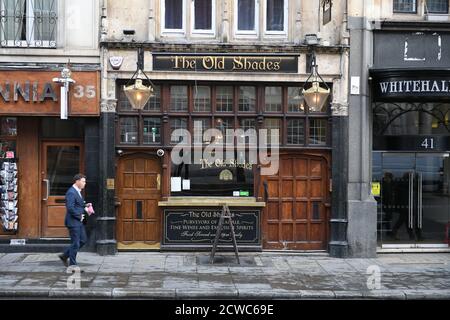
[{"x": 411, "y": 85}]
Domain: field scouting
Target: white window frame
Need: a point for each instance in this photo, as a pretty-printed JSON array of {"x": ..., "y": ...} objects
[
  {"x": 246, "y": 33},
  {"x": 203, "y": 32},
  {"x": 165, "y": 31},
  {"x": 283, "y": 33},
  {"x": 30, "y": 41}
]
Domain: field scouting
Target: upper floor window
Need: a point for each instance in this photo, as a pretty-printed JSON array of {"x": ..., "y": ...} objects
[
  {"x": 276, "y": 16},
  {"x": 203, "y": 17},
  {"x": 246, "y": 12},
  {"x": 28, "y": 23},
  {"x": 172, "y": 13},
  {"x": 405, "y": 6},
  {"x": 436, "y": 6}
]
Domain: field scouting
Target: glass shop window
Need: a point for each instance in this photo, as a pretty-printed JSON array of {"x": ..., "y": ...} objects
[
  {"x": 224, "y": 178},
  {"x": 8, "y": 134}
]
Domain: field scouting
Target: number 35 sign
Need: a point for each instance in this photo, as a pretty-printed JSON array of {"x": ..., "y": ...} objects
[{"x": 35, "y": 93}]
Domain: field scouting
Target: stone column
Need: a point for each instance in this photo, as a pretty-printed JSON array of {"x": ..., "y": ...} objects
[{"x": 362, "y": 207}]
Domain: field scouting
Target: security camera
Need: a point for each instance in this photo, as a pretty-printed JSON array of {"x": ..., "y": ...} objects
[
  {"x": 160, "y": 152},
  {"x": 119, "y": 152}
]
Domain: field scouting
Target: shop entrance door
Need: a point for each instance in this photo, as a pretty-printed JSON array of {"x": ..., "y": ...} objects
[
  {"x": 414, "y": 206},
  {"x": 60, "y": 161},
  {"x": 138, "y": 192}
]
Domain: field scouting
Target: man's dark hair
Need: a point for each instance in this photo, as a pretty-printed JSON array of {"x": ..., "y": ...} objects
[{"x": 78, "y": 176}]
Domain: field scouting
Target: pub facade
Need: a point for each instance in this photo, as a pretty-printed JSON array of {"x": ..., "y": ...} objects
[{"x": 219, "y": 71}]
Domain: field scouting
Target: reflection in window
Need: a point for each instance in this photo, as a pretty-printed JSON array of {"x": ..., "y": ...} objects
[
  {"x": 200, "y": 126},
  {"x": 152, "y": 130},
  {"x": 295, "y": 104},
  {"x": 177, "y": 123},
  {"x": 202, "y": 99},
  {"x": 247, "y": 98},
  {"x": 128, "y": 130},
  {"x": 411, "y": 118},
  {"x": 173, "y": 15},
  {"x": 318, "y": 131},
  {"x": 203, "y": 14},
  {"x": 246, "y": 15},
  {"x": 437, "y": 6},
  {"x": 296, "y": 131},
  {"x": 8, "y": 126},
  {"x": 246, "y": 124},
  {"x": 275, "y": 15},
  {"x": 224, "y": 99},
  {"x": 8, "y": 149},
  {"x": 154, "y": 103},
  {"x": 224, "y": 180},
  {"x": 273, "y": 99},
  {"x": 62, "y": 162},
  {"x": 272, "y": 125},
  {"x": 178, "y": 98},
  {"x": 408, "y": 6},
  {"x": 223, "y": 124}
]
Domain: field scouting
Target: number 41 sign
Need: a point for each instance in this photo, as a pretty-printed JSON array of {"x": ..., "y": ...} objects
[{"x": 428, "y": 143}]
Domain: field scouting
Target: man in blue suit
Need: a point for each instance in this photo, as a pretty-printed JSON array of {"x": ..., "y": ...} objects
[{"x": 75, "y": 214}]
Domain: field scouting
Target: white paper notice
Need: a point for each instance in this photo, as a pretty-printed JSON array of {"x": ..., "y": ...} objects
[
  {"x": 186, "y": 184},
  {"x": 175, "y": 184}
]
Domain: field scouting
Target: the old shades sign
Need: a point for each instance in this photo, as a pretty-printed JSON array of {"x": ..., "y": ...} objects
[
  {"x": 34, "y": 93},
  {"x": 196, "y": 227},
  {"x": 225, "y": 62}
]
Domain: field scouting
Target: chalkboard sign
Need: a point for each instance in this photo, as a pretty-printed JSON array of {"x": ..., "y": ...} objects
[{"x": 199, "y": 226}]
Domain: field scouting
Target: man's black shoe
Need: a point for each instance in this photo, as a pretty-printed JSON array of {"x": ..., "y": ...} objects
[{"x": 64, "y": 260}]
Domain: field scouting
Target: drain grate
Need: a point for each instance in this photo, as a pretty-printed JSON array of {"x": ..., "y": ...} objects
[{"x": 221, "y": 260}]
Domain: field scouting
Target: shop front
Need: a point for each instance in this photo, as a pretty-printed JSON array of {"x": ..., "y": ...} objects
[
  {"x": 411, "y": 163},
  {"x": 170, "y": 192},
  {"x": 40, "y": 153}
]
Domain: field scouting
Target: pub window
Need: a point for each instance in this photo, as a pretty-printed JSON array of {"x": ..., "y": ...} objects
[
  {"x": 152, "y": 130},
  {"x": 247, "y": 99},
  {"x": 247, "y": 16},
  {"x": 128, "y": 127},
  {"x": 205, "y": 124},
  {"x": 224, "y": 99},
  {"x": 154, "y": 103},
  {"x": 276, "y": 14},
  {"x": 202, "y": 99},
  {"x": 223, "y": 124},
  {"x": 203, "y": 16},
  {"x": 272, "y": 124},
  {"x": 177, "y": 123},
  {"x": 28, "y": 23},
  {"x": 8, "y": 134},
  {"x": 246, "y": 124},
  {"x": 173, "y": 15},
  {"x": 436, "y": 6},
  {"x": 179, "y": 98},
  {"x": 296, "y": 131},
  {"x": 273, "y": 99},
  {"x": 405, "y": 6},
  {"x": 318, "y": 131},
  {"x": 294, "y": 105}
]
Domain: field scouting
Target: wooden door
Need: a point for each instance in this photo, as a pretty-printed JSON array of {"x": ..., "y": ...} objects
[
  {"x": 138, "y": 192},
  {"x": 60, "y": 161},
  {"x": 297, "y": 211}
]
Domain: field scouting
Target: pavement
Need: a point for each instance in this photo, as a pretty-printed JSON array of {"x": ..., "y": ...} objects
[{"x": 154, "y": 275}]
